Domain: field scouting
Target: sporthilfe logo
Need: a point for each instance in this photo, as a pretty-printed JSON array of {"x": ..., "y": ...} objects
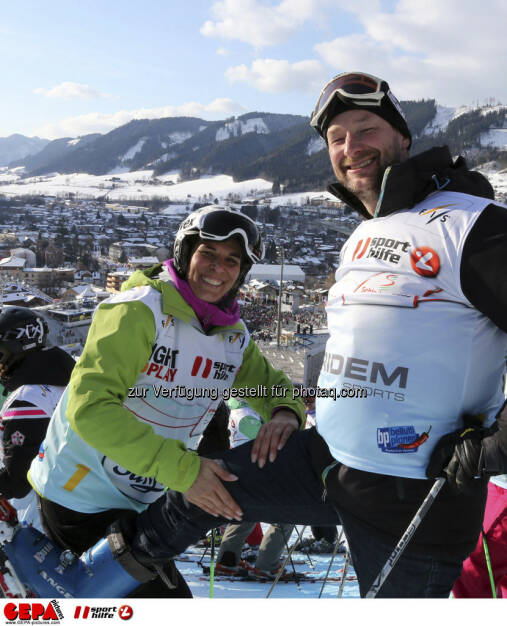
[{"x": 425, "y": 261}]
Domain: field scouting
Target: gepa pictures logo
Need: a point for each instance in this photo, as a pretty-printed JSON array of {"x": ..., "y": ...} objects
[{"x": 33, "y": 612}]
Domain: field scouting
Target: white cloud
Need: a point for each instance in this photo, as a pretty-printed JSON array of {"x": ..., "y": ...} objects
[
  {"x": 223, "y": 52},
  {"x": 104, "y": 122},
  {"x": 258, "y": 24},
  {"x": 70, "y": 91},
  {"x": 453, "y": 50},
  {"x": 277, "y": 76}
]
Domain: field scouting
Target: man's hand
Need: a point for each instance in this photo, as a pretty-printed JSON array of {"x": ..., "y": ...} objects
[
  {"x": 457, "y": 457},
  {"x": 273, "y": 436},
  {"x": 208, "y": 493}
]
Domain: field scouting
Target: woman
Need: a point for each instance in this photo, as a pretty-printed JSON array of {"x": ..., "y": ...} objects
[{"x": 158, "y": 359}]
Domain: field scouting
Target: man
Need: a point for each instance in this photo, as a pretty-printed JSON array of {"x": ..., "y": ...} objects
[{"x": 417, "y": 318}]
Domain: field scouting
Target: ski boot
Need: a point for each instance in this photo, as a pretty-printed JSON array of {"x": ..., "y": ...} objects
[{"x": 38, "y": 568}]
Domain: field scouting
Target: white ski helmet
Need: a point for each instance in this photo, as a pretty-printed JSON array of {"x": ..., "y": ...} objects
[{"x": 218, "y": 223}]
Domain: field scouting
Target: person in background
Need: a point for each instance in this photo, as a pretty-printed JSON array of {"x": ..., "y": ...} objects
[
  {"x": 35, "y": 376},
  {"x": 324, "y": 537},
  {"x": 475, "y": 581},
  {"x": 244, "y": 424}
]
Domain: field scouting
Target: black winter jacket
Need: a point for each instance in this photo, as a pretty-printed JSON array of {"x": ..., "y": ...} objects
[{"x": 41, "y": 367}]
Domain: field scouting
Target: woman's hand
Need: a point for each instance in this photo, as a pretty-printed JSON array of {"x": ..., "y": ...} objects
[
  {"x": 273, "y": 436},
  {"x": 209, "y": 494}
]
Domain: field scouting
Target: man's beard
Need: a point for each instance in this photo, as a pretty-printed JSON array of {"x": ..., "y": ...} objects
[{"x": 367, "y": 189}]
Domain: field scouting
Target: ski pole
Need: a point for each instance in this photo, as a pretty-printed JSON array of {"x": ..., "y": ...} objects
[
  {"x": 488, "y": 563},
  {"x": 335, "y": 550},
  {"x": 406, "y": 537},
  {"x": 279, "y": 575},
  {"x": 205, "y": 551},
  {"x": 344, "y": 573},
  {"x": 291, "y": 561},
  {"x": 212, "y": 564},
  {"x": 306, "y": 550}
]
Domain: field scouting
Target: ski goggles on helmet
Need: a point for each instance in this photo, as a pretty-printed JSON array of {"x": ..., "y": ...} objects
[
  {"x": 221, "y": 225},
  {"x": 354, "y": 88}
]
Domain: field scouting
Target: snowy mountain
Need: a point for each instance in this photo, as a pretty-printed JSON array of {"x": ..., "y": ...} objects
[
  {"x": 18, "y": 146},
  {"x": 165, "y": 144},
  {"x": 279, "y": 148},
  {"x": 57, "y": 149}
]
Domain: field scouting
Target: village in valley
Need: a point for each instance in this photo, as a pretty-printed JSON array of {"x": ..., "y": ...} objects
[{"x": 64, "y": 254}]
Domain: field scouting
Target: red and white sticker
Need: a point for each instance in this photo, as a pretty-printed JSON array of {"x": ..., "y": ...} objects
[
  {"x": 125, "y": 611},
  {"x": 425, "y": 261}
]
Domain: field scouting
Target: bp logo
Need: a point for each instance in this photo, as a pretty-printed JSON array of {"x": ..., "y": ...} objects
[{"x": 400, "y": 439}]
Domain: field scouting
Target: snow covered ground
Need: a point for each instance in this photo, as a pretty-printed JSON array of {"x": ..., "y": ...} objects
[
  {"x": 133, "y": 186},
  {"x": 314, "y": 566},
  {"x": 496, "y": 176},
  {"x": 137, "y": 186},
  {"x": 281, "y": 608}
]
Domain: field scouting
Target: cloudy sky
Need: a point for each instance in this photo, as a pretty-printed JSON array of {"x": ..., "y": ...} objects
[{"x": 70, "y": 67}]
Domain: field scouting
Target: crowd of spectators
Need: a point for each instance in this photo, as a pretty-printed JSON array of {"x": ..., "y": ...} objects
[{"x": 262, "y": 320}]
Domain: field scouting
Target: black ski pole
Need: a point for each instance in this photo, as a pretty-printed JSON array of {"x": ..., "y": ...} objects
[
  {"x": 333, "y": 555},
  {"x": 279, "y": 575},
  {"x": 406, "y": 537},
  {"x": 305, "y": 550},
  {"x": 291, "y": 560},
  {"x": 344, "y": 573},
  {"x": 212, "y": 565}
]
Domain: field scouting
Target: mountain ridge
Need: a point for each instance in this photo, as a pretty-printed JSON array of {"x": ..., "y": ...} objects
[{"x": 278, "y": 147}]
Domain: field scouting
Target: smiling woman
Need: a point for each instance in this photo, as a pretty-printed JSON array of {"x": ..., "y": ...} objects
[
  {"x": 159, "y": 358},
  {"x": 214, "y": 268}
]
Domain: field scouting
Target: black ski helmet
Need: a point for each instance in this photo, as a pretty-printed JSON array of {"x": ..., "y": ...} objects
[
  {"x": 21, "y": 331},
  {"x": 218, "y": 223}
]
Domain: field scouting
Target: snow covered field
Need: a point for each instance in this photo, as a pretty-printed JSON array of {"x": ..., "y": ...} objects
[
  {"x": 132, "y": 186},
  {"x": 138, "y": 186},
  {"x": 313, "y": 566}
]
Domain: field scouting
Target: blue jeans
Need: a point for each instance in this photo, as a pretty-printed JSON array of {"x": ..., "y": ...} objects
[
  {"x": 289, "y": 490},
  {"x": 415, "y": 575}
]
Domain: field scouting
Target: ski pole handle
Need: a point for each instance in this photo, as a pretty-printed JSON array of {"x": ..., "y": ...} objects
[{"x": 406, "y": 537}]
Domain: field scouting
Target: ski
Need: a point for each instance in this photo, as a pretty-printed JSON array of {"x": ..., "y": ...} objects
[
  {"x": 306, "y": 576},
  {"x": 193, "y": 557}
]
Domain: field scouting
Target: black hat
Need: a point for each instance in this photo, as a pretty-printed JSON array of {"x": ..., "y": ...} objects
[{"x": 356, "y": 90}]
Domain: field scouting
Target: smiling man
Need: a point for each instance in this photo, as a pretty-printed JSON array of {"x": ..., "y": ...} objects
[
  {"x": 361, "y": 146},
  {"x": 417, "y": 316}
]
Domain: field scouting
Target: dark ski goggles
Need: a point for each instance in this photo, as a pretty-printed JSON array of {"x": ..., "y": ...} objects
[
  {"x": 221, "y": 225},
  {"x": 356, "y": 88}
]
